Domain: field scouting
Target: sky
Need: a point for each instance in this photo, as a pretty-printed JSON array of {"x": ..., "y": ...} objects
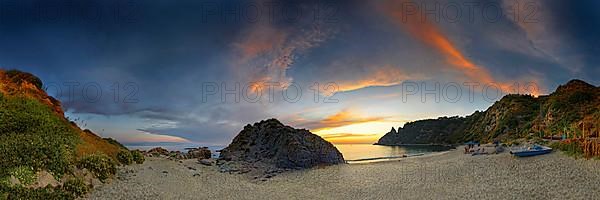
[{"x": 149, "y": 72}]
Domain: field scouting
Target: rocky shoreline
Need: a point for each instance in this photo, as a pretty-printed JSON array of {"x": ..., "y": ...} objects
[{"x": 261, "y": 151}]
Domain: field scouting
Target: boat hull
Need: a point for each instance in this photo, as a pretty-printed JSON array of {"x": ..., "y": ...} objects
[{"x": 531, "y": 152}]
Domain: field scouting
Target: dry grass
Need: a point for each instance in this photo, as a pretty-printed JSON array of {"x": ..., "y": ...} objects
[
  {"x": 91, "y": 143},
  {"x": 27, "y": 89},
  {"x": 591, "y": 148}
]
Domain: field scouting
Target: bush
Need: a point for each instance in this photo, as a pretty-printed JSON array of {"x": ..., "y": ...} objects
[
  {"x": 4, "y": 182},
  {"x": 100, "y": 165},
  {"x": 76, "y": 187},
  {"x": 32, "y": 135},
  {"x": 24, "y": 174},
  {"x": 138, "y": 157},
  {"x": 47, "y": 193},
  {"x": 125, "y": 157}
]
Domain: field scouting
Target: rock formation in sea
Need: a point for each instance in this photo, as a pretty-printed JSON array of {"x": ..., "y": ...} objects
[{"x": 271, "y": 145}]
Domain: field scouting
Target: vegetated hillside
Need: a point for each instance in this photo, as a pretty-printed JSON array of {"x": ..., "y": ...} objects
[
  {"x": 36, "y": 137},
  {"x": 429, "y": 131},
  {"x": 572, "y": 108},
  {"x": 510, "y": 117}
]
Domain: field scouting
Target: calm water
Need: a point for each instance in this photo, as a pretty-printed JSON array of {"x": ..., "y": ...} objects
[
  {"x": 351, "y": 152},
  {"x": 370, "y": 153}
]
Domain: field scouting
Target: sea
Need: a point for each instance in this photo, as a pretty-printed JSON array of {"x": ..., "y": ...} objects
[
  {"x": 353, "y": 153},
  {"x": 361, "y": 153}
]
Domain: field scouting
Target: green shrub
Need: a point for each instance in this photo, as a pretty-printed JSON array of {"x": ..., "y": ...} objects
[
  {"x": 24, "y": 174},
  {"x": 48, "y": 192},
  {"x": 100, "y": 165},
  {"x": 32, "y": 135},
  {"x": 125, "y": 157},
  {"x": 4, "y": 181},
  {"x": 76, "y": 187},
  {"x": 138, "y": 157},
  {"x": 581, "y": 97}
]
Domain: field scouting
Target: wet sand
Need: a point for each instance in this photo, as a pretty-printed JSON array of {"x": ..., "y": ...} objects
[{"x": 450, "y": 175}]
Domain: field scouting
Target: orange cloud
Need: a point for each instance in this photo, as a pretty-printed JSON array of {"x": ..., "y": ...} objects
[
  {"x": 342, "y": 118},
  {"x": 145, "y": 136},
  {"x": 258, "y": 41},
  {"x": 380, "y": 76},
  {"x": 265, "y": 53},
  {"x": 431, "y": 35}
]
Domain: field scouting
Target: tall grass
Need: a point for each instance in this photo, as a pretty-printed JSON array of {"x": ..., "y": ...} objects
[{"x": 569, "y": 147}]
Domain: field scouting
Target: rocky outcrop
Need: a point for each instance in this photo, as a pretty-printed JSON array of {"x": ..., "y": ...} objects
[
  {"x": 271, "y": 145},
  {"x": 158, "y": 151},
  {"x": 193, "y": 153},
  {"x": 43, "y": 179},
  {"x": 177, "y": 155},
  {"x": 393, "y": 131},
  {"x": 199, "y": 153},
  {"x": 207, "y": 162}
]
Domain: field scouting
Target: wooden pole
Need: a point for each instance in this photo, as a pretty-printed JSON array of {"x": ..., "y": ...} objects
[{"x": 583, "y": 132}]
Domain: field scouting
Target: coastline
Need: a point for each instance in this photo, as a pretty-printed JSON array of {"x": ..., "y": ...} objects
[
  {"x": 397, "y": 158},
  {"x": 441, "y": 175},
  {"x": 383, "y": 159},
  {"x": 413, "y": 145}
]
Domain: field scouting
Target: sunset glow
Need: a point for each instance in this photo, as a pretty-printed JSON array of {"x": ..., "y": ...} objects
[{"x": 367, "y": 132}]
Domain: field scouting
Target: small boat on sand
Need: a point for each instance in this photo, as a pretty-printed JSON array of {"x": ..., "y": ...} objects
[{"x": 531, "y": 151}]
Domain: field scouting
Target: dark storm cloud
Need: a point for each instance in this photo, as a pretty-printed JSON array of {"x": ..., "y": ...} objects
[
  {"x": 579, "y": 21},
  {"x": 215, "y": 124}
]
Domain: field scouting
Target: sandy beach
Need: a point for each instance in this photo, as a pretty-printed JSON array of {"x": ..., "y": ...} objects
[{"x": 449, "y": 175}]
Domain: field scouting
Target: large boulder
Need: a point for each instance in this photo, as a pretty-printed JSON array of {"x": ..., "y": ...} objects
[
  {"x": 207, "y": 162},
  {"x": 177, "y": 155},
  {"x": 272, "y": 144},
  {"x": 158, "y": 151},
  {"x": 199, "y": 153}
]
